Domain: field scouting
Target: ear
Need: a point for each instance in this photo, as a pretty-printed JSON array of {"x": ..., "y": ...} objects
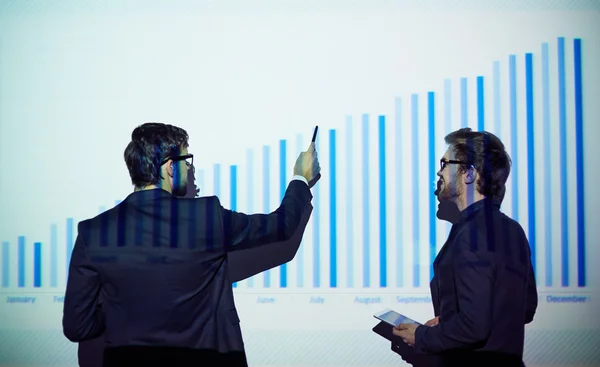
[
  {"x": 470, "y": 175},
  {"x": 169, "y": 168}
]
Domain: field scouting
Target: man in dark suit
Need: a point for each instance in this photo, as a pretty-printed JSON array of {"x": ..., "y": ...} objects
[
  {"x": 159, "y": 263},
  {"x": 483, "y": 289}
]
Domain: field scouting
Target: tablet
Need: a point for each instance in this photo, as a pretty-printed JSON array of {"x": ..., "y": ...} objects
[{"x": 394, "y": 318}]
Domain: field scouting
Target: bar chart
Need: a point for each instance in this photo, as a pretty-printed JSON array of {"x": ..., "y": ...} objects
[{"x": 374, "y": 221}]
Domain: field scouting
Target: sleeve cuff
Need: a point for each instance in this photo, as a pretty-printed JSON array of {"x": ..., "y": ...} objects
[
  {"x": 300, "y": 178},
  {"x": 420, "y": 332}
]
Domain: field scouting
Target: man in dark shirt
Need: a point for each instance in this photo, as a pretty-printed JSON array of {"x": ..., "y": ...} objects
[{"x": 483, "y": 289}]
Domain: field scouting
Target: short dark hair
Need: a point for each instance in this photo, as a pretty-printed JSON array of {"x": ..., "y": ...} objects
[
  {"x": 150, "y": 144},
  {"x": 486, "y": 152}
]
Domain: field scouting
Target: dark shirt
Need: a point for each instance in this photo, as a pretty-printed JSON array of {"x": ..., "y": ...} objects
[{"x": 483, "y": 288}]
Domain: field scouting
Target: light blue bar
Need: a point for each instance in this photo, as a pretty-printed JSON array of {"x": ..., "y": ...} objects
[
  {"x": 282, "y": 188},
  {"x": 562, "y": 166},
  {"x": 316, "y": 231},
  {"x": 332, "y": 213},
  {"x": 21, "y": 261},
  {"x": 101, "y": 209},
  {"x": 300, "y": 253},
  {"x": 53, "y": 256},
  {"x": 416, "y": 169},
  {"x": 365, "y": 194},
  {"x": 382, "y": 207},
  {"x": 497, "y": 107},
  {"x": 5, "y": 264},
  {"x": 547, "y": 161},
  {"x": 433, "y": 168},
  {"x": 70, "y": 242},
  {"x": 399, "y": 185},
  {"x": 448, "y": 106},
  {"x": 233, "y": 194},
  {"x": 531, "y": 211},
  {"x": 250, "y": 195},
  {"x": 480, "y": 104},
  {"x": 514, "y": 151},
  {"x": 217, "y": 179},
  {"x": 117, "y": 202},
  {"x": 464, "y": 112},
  {"x": 37, "y": 264},
  {"x": 266, "y": 197},
  {"x": 349, "y": 211}
]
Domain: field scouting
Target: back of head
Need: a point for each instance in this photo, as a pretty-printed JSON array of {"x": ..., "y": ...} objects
[
  {"x": 150, "y": 144},
  {"x": 486, "y": 152}
]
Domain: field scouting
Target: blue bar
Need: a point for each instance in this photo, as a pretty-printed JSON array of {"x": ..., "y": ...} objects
[
  {"x": 5, "y": 264},
  {"x": 70, "y": 225},
  {"x": 382, "y": 207},
  {"x": 266, "y": 197},
  {"x": 101, "y": 209},
  {"x": 480, "y": 105},
  {"x": 415, "y": 143},
  {"x": 464, "y": 112},
  {"x": 349, "y": 210},
  {"x": 250, "y": 194},
  {"x": 448, "y": 106},
  {"x": 547, "y": 162},
  {"x": 579, "y": 159},
  {"x": 21, "y": 261},
  {"x": 433, "y": 168},
  {"x": 53, "y": 256},
  {"x": 316, "y": 232},
  {"x": 365, "y": 195},
  {"x": 282, "y": 188},
  {"x": 233, "y": 195},
  {"x": 530, "y": 157},
  {"x": 332, "y": 213},
  {"x": 514, "y": 154},
  {"x": 562, "y": 166},
  {"x": 300, "y": 253},
  {"x": 117, "y": 202},
  {"x": 217, "y": 179},
  {"x": 37, "y": 264},
  {"x": 497, "y": 106},
  {"x": 399, "y": 184}
]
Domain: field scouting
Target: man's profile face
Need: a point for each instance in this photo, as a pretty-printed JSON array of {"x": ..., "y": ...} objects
[{"x": 449, "y": 186}]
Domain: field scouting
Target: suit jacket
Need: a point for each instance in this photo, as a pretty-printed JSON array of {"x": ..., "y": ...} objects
[
  {"x": 483, "y": 290},
  {"x": 160, "y": 265}
]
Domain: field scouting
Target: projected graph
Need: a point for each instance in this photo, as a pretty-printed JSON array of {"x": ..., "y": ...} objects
[{"x": 374, "y": 203}]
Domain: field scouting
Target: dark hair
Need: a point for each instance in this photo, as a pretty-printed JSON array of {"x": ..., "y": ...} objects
[
  {"x": 486, "y": 152},
  {"x": 150, "y": 144}
]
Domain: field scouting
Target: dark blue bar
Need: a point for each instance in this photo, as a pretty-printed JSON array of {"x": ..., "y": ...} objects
[
  {"x": 21, "y": 261},
  {"x": 579, "y": 164},
  {"x": 316, "y": 232},
  {"x": 562, "y": 166},
  {"x": 217, "y": 179},
  {"x": 53, "y": 256},
  {"x": 282, "y": 188},
  {"x": 37, "y": 264},
  {"x": 480, "y": 105},
  {"x": 514, "y": 154},
  {"x": 415, "y": 143},
  {"x": 365, "y": 195},
  {"x": 547, "y": 164},
  {"x": 382, "y": 207},
  {"x": 464, "y": 112},
  {"x": 233, "y": 194},
  {"x": 250, "y": 193},
  {"x": 399, "y": 184},
  {"x": 432, "y": 177},
  {"x": 332, "y": 213},
  {"x": 70, "y": 225},
  {"x": 497, "y": 106},
  {"x": 266, "y": 197},
  {"x": 5, "y": 264},
  {"x": 530, "y": 156},
  {"x": 349, "y": 210}
]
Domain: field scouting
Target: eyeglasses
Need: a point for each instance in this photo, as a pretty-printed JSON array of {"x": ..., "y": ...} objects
[
  {"x": 444, "y": 162},
  {"x": 189, "y": 159}
]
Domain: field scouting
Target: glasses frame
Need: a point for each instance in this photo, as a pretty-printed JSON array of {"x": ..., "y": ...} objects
[
  {"x": 180, "y": 158},
  {"x": 444, "y": 163}
]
